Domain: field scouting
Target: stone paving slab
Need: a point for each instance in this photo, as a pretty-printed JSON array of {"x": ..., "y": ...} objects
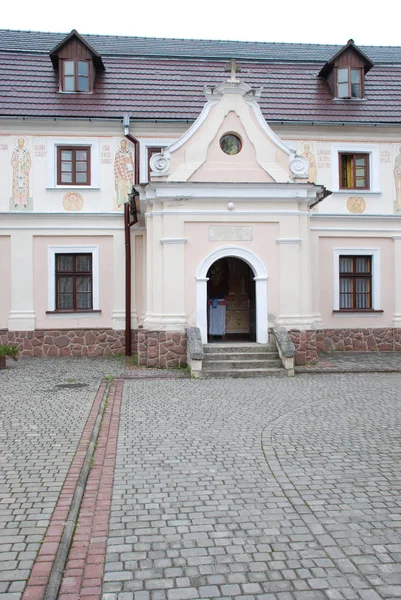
[
  {"x": 354, "y": 362},
  {"x": 276, "y": 489},
  {"x": 40, "y": 428}
]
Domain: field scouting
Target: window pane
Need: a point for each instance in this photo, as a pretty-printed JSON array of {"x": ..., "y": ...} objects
[
  {"x": 65, "y": 284},
  {"x": 84, "y": 284},
  {"x": 68, "y": 67},
  {"x": 83, "y": 67},
  {"x": 355, "y": 90},
  {"x": 360, "y": 161},
  {"x": 342, "y": 90},
  {"x": 342, "y": 75},
  {"x": 65, "y": 262},
  {"x": 81, "y": 166},
  {"x": 81, "y": 155},
  {"x": 362, "y": 265},
  {"x": 84, "y": 263},
  {"x": 66, "y": 178},
  {"x": 345, "y": 293},
  {"x": 84, "y": 300},
  {"x": 81, "y": 178},
  {"x": 66, "y": 155},
  {"x": 83, "y": 84},
  {"x": 66, "y": 166},
  {"x": 65, "y": 301},
  {"x": 69, "y": 85},
  {"x": 360, "y": 183},
  {"x": 346, "y": 264}
]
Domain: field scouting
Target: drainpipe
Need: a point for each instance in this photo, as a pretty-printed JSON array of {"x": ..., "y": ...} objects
[{"x": 127, "y": 229}]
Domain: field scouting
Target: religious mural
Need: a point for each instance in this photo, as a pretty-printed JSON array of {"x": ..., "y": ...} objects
[
  {"x": 73, "y": 201},
  {"x": 123, "y": 172},
  {"x": 310, "y": 157},
  {"x": 397, "y": 179},
  {"x": 21, "y": 164}
]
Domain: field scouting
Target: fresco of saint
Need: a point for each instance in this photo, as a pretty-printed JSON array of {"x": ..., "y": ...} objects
[
  {"x": 397, "y": 178},
  {"x": 310, "y": 157},
  {"x": 21, "y": 164},
  {"x": 123, "y": 172}
]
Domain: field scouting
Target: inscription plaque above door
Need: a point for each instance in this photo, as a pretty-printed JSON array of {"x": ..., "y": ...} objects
[{"x": 220, "y": 233}]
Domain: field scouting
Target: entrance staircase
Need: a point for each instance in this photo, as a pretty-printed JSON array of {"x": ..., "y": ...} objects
[{"x": 241, "y": 360}]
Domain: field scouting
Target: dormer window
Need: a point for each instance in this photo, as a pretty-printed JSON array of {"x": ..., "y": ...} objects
[
  {"x": 75, "y": 75},
  {"x": 78, "y": 64},
  {"x": 345, "y": 72},
  {"x": 349, "y": 82}
]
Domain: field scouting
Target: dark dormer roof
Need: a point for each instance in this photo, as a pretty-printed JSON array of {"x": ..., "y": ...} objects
[
  {"x": 350, "y": 45},
  {"x": 97, "y": 59}
]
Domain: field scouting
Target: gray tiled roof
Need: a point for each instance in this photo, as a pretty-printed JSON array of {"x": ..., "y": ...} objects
[{"x": 108, "y": 45}]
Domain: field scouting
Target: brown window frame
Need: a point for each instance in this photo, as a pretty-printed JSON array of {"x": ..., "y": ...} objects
[
  {"x": 76, "y": 89},
  {"x": 74, "y": 274},
  {"x": 151, "y": 151},
  {"x": 74, "y": 150},
  {"x": 353, "y": 276},
  {"x": 361, "y": 83},
  {"x": 353, "y": 185}
]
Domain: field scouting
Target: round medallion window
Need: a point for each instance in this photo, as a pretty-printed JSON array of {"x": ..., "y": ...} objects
[{"x": 230, "y": 143}]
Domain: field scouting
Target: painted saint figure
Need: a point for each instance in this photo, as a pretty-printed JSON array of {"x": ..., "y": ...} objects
[
  {"x": 310, "y": 157},
  {"x": 21, "y": 164},
  {"x": 123, "y": 172},
  {"x": 397, "y": 178}
]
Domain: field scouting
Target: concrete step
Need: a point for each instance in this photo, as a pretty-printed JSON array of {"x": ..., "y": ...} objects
[
  {"x": 240, "y": 364},
  {"x": 213, "y": 356},
  {"x": 240, "y": 373},
  {"x": 239, "y": 347}
]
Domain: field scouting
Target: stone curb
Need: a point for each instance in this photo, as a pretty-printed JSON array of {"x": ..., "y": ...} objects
[{"x": 57, "y": 570}]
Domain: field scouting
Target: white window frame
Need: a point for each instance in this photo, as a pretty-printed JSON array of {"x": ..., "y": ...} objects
[
  {"x": 51, "y": 275},
  {"x": 146, "y": 143},
  {"x": 52, "y": 146},
  {"x": 374, "y": 253},
  {"x": 374, "y": 167}
]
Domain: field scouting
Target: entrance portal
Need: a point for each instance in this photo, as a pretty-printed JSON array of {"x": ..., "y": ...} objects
[{"x": 231, "y": 308}]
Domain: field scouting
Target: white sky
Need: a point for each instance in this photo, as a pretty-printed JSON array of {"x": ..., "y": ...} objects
[{"x": 308, "y": 21}]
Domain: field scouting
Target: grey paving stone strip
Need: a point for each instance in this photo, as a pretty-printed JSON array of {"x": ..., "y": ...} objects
[
  {"x": 40, "y": 428},
  {"x": 206, "y": 505}
]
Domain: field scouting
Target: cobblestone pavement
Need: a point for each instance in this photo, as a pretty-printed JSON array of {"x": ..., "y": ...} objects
[
  {"x": 40, "y": 428},
  {"x": 258, "y": 489},
  {"x": 354, "y": 362}
]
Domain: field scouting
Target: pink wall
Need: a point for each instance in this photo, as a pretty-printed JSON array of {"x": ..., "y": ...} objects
[
  {"x": 5, "y": 280},
  {"x": 40, "y": 292},
  {"x": 326, "y": 282}
]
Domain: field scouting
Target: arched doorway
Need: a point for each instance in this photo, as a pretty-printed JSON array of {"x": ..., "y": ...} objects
[
  {"x": 231, "y": 301},
  {"x": 259, "y": 273}
]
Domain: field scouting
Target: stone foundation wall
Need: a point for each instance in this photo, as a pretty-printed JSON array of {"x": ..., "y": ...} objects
[
  {"x": 309, "y": 343},
  {"x": 162, "y": 348},
  {"x": 68, "y": 342}
]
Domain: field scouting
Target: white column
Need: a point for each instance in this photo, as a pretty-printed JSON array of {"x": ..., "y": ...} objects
[
  {"x": 118, "y": 314},
  {"x": 262, "y": 325},
  {"x": 397, "y": 282},
  {"x": 22, "y": 314},
  {"x": 201, "y": 306}
]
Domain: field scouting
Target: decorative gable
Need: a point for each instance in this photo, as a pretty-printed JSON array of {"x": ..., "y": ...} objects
[
  {"x": 229, "y": 142},
  {"x": 345, "y": 72},
  {"x": 77, "y": 63}
]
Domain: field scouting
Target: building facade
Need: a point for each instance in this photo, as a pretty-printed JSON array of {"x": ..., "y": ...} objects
[{"x": 266, "y": 196}]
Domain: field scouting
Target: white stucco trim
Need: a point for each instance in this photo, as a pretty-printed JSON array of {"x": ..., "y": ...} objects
[
  {"x": 51, "y": 270},
  {"x": 173, "y": 240},
  {"x": 376, "y": 274},
  {"x": 374, "y": 166},
  {"x": 260, "y": 279},
  {"x": 52, "y": 145},
  {"x": 288, "y": 240}
]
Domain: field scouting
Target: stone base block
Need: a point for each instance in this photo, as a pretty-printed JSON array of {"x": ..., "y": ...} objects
[
  {"x": 309, "y": 342},
  {"x": 162, "y": 348}
]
